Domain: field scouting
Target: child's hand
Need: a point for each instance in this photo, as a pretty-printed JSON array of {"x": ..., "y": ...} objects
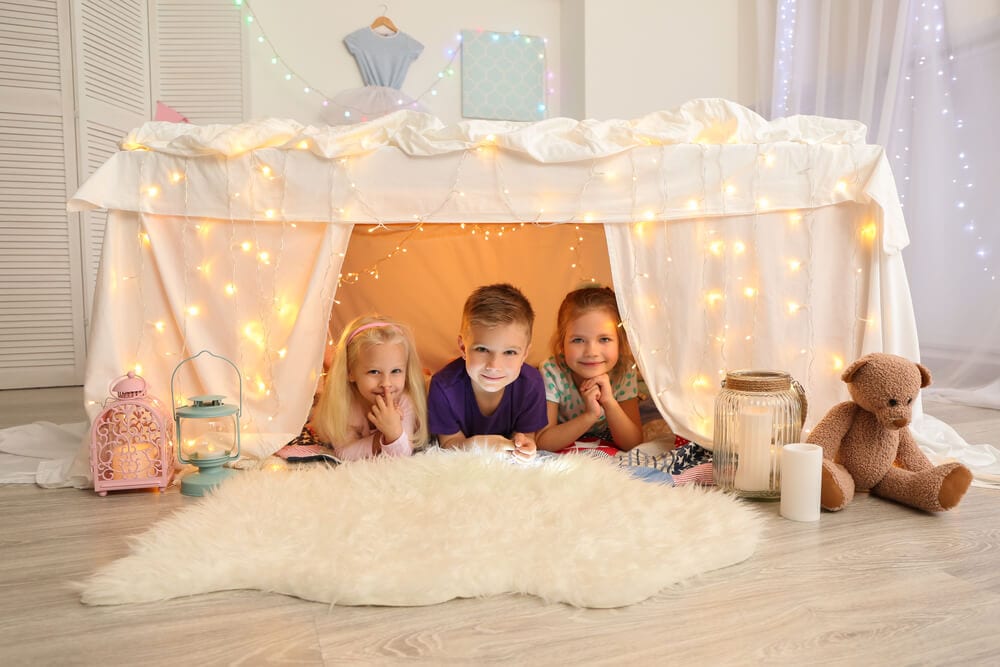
[
  {"x": 605, "y": 394},
  {"x": 524, "y": 446},
  {"x": 590, "y": 391},
  {"x": 387, "y": 418}
]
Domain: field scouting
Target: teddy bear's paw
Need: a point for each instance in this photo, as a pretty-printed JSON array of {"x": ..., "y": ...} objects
[
  {"x": 955, "y": 482},
  {"x": 837, "y": 488}
]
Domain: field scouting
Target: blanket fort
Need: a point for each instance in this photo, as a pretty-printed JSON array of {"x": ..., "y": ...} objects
[{"x": 733, "y": 242}]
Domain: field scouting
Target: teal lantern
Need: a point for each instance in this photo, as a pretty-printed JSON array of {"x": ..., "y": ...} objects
[{"x": 208, "y": 434}]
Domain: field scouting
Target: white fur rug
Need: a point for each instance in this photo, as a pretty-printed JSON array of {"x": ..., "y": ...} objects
[{"x": 433, "y": 527}]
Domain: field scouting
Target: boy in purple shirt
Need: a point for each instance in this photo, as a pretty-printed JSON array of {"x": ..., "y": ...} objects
[{"x": 489, "y": 397}]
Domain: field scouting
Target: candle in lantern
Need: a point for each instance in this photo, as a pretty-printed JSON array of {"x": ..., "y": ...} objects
[
  {"x": 134, "y": 460},
  {"x": 753, "y": 446}
]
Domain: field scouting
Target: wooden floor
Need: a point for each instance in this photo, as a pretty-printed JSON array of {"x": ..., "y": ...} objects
[{"x": 876, "y": 584}]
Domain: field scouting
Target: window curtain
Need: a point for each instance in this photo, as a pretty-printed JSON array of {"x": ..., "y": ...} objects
[{"x": 925, "y": 93}]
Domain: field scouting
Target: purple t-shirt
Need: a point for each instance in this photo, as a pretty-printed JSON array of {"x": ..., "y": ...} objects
[{"x": 451, "y": 405}]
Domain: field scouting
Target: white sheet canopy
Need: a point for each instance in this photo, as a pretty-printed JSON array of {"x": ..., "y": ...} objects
[{"x": 733, "y": 243}]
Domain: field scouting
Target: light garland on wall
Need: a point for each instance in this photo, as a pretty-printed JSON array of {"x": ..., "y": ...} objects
[{"x": 308, "y": 88}]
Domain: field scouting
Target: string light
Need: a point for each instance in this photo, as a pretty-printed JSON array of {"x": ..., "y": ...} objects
[{"x": 309, "y": 88}]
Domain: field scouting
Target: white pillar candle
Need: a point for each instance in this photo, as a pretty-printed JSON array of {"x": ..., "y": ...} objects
[
  {"x": 753, "y": 446},
  {"x": 801, "y": 481}
]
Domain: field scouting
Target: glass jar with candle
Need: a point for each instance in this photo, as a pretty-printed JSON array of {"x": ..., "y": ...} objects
[{"x": 756, "y": 414}]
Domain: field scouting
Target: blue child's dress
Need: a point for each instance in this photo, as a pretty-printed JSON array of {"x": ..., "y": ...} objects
[{"x": 383, "y": 61}]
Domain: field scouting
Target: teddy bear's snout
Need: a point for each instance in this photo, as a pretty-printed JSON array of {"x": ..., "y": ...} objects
[{"x": 899, "y": 422}]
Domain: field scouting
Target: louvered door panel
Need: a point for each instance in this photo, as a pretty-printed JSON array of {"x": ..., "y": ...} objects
[
  {"x": 113, "y": 92},
  {"x": 198, "y": 51},
  {"x": 41, "y": 314}
]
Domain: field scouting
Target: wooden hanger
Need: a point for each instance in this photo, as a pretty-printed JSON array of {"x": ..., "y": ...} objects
[{"x": 383, "y": 21}]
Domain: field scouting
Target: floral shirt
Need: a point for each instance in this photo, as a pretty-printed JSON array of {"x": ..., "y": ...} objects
[{"x": 560, "y": 388}]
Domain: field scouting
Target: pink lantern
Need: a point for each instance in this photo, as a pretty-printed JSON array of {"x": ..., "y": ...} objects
[{"x": 131, "y": 441}]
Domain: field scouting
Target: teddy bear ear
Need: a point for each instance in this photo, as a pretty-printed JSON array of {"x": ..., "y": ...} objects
[
  {"x": 925, "y": 375},
  {"x": 848, "y": 374}
]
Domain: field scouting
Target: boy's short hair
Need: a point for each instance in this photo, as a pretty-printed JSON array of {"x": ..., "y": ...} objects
[{"x": 493, "y": 305}]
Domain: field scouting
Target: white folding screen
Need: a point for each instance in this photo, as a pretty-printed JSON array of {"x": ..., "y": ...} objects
[
  {"x": 75, "y": 77},
  {"x": 41, "y": 297}
]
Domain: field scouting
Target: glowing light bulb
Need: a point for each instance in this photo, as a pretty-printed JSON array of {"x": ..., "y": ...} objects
[
  {"x": 838, "y": 363},
  {"x": 160, "y": 326},
  {"x": 230, "y": 289},
  {"x": 153, "y": 190},
  {"x": 749, "y": 292},
  {"x": 266, "y": 170},
  {"x": 763, "y": 202},
  {"x": 795, "y": 218},
  {"x": 716, "y": 247},
  {"x": 282, "y": 352},
  {"x": 302, "y": 144},
  {"x": 700, "y": 382},
  {"x": 794, "y": 264},
  {"x": 739, "y": 247},
  {"x": 193, "y": 311},
  {"x": 264, "y": 256},
  {"x": 269, "y": 213},
  {"x": 869, "y": 231},
  {"x": 692, "y": 205},
  {"x": 246, "y": 246},
  {"x": 730, "y": 189},
  {"x": 176, "y": 177},
  {"x": 841, "y": 186},
  {"x": 793, "y": 307},
  {"x": 713, "y": 297},
  {"x": 769, "y": 159}
]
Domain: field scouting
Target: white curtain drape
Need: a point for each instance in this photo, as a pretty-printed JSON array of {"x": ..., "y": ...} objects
[{"x": 927, "y": 93}]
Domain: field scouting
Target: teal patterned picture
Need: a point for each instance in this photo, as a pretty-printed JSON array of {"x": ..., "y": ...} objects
[{"x": 503, "y": 75}]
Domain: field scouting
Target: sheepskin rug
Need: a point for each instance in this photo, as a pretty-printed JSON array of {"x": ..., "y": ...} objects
[{"x": 432, "y": 527}]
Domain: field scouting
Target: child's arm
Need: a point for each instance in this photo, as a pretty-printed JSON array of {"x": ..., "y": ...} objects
[
  {"x": 558, "y": 436},
  {"x": 394, "y": 424},
  {"x": 623, "y": 418}
]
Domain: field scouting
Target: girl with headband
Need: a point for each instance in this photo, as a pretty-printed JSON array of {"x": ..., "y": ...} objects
[{"x": 374, "y": 401}]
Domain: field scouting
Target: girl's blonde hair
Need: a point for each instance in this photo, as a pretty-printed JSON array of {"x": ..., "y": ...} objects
[
  {"x": 581, "y": 301},
  {"x": 334, "y": 407}
]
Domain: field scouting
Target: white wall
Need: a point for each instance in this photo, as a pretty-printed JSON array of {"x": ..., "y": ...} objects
[
  {"x": 625, "y": 58},
  {"x": 644, "y": 56}
]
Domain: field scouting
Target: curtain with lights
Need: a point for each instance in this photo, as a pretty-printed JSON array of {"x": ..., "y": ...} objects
[
  {"x": 926, "y": 92},
  {"x": 733, "y": 242},
  {"x": 893, "y": 66}
]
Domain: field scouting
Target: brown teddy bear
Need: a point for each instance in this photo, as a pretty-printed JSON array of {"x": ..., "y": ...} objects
[{"x": 868, "y": 447}]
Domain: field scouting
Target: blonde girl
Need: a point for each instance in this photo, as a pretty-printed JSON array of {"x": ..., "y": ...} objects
[
  {"x": 591, "y": 389},
  {"x": 374, "y": 400}
]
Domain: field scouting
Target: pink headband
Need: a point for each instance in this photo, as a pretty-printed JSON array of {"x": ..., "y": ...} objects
[{"x": 370, "y": 325}]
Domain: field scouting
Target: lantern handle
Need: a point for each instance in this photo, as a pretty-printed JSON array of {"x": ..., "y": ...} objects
[{"x": 239, "y": 378}]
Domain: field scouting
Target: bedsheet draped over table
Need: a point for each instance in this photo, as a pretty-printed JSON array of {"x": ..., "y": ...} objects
[{"x": 734, "y": 242}]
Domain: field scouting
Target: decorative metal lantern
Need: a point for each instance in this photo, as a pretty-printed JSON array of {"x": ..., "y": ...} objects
[
  {"x": 131, "y": 440},
  {"x": 208, "y": 434},
  {"x": 756, "y": 414}
]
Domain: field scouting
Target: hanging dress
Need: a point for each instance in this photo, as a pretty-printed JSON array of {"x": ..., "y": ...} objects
[{"x": 383, "y": 61}]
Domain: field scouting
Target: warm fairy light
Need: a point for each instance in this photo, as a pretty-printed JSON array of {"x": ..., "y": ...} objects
[
  {"x": 145, "y": 238},
  {"x": 254, "y": 332},
  {"x": 869, "y": 231},
  {"x": 700, "y": 382},
  {"x": 794, "y": 264},
  {"x": 730, "y": 189},
  {"x": 841, "y": 186},
  {"x": 793, "y": 307},
  {"x": 246, "y": 246},
  {"x": 269, "y": 213},
  {"x": 769, "y": 159},
  {"x": 838, "y": 363},
  {"x": 160, "y": 326},
  {"x": 713, "y": 297},
  {"x": 763, "y": 202},
  {"x": 266, "y": 170},
  {"x": 715, "y": 247},
  {"x": 739, "y": 247},
  {"x": 230, "y": 289},
  {"x": 490, "y": 138},
  {"x": 302, "y": 144},
  {"x": 138, "y": 368},
  {"x": 153, "y": 190},
  {"x": 282, "y": 352},
  {"x": 648, "y": 215},
  {"x": 692, "y": 204},
  {"x": 193, "y": 311},
  {"x": 176, "y": 177},
  {"x": 264, "y": 257},
  {"x": 795, "y": 218},
  {"x": 749, "y": 292},
  {"x": 589, "y": 217}
]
